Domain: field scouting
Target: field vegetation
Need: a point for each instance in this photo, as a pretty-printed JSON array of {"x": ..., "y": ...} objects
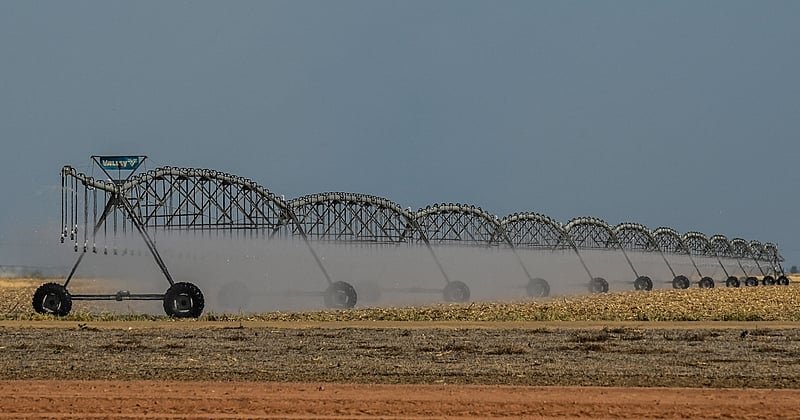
[{"x": 762, "y": 303}]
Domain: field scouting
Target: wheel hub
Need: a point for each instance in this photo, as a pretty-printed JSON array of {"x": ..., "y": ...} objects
[
  {"x": 340, "y": 297},
  {"x": 183, "y": 303},
  {"x": 52, "y": 302}
]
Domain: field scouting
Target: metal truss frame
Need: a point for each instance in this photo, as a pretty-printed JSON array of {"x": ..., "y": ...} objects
[
  {"x": 720, "y": 247},
  {"x": 203, "y": 200},
  {"x": 537, "y": 231},
  {"x": 352, "y": 218},
  {"x": 458, "y": 224},
  {"x": 465, "y": 225},
  {"x": 670, "y": 241},
  {"x": 637, "y": 237},
  {"x": 594, "y": 233}
]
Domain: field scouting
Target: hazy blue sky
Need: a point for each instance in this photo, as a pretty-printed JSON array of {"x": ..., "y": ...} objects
[{"x": 676, "y": 113}]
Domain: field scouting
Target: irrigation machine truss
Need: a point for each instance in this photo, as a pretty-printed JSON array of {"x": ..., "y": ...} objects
[{"x": 124, "y": 203}]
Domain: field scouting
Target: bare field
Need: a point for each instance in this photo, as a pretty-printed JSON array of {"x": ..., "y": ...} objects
[
  {"x": 744, "y": 337},
  {"x": 763, "y": 303},
  {"x": 717, "y": 342}
]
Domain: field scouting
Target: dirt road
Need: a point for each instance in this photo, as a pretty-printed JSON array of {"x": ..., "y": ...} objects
[{"x": 267, "y": 400}]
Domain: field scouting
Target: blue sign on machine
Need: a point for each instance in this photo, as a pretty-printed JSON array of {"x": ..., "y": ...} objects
[{"x": 125, "y": 163}]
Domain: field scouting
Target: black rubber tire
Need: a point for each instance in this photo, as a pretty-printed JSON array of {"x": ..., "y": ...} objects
[
  {"x": 783, "y": 281},
  {"x": 643, "y": 283},
  {"x": 456, "y": 291},
  {"x": 706, "y": 283},
  {"x": 598, "y": 285},
  {"x": 184, "y": 300},
  {"x": 751, "y": 281},
  {"x": 538, "y": 288},
  {"x": 681, "y": 282},
  {"x": 732, "y": 281},
  {"x": 234, "y": 295},
  {"x": 768, "y": 281},
  {"x": 52, "y": 298},
  {"x": 340, "y": 295},
  {"x": 368, "y": 292}
]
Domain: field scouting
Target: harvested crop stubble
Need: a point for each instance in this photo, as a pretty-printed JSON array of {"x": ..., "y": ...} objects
[
  {"x": 779, "y": 303},
  {"x": 16, "y": 295},
  {"x": 763, "y": 303}
]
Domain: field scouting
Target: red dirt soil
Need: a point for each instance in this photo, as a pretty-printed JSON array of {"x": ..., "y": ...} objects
[{"x": 260, "y": 400}]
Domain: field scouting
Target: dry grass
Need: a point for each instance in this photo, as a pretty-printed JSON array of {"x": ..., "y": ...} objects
[
  {"x": 775, "y": 303},
  {"x": 778, "y": 303},
  {"x": 16, "y": 295}
]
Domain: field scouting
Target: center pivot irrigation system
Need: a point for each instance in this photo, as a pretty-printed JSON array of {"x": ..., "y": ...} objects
[{"x": 171, "y": 199}]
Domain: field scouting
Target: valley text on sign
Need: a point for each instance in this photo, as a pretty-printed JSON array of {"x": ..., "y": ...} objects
[{"x": 127, "y": 163}]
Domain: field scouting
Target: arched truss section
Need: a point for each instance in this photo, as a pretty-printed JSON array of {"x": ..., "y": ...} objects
[
  {"x": 741, "y": 248},
  {"x": 353, "y": 218},
  {"x": 458, "y": 224},
  {"x": 757, "y": 250},
  {"x": 172, "y": 198},
  {"x": 697, "y": 244},
  {"x": 669, "y": 240},
  {"x": 771, "y": 253},
  {"x": 190, "y": 199},
  {"x": 720, "y": 246},
  {"x": 182, "y": 198},
  {"x": 534, "y": 230},
  {"x": 635, "y": 236},
  {"x": 591, "y": 233}
]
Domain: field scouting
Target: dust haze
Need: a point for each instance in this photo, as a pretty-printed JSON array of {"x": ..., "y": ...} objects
[{"x": 258, "y": 275}]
